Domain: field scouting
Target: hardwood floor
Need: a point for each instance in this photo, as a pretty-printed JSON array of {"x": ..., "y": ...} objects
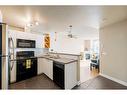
[
  {"x": 85, "y": 72},
  {"x": 43, "y": 82},
  {"x": 94, "y": 72}
]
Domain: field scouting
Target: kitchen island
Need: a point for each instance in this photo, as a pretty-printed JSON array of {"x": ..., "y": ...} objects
[{"x": 63, "y": 71}]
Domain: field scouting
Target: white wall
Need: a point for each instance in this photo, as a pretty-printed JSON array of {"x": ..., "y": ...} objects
[
  {"x": 63, "y": 44},
  {"x": 113, "y": 40}
]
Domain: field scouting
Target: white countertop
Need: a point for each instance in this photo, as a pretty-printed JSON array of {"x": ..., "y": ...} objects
[{"x": 60, "y": 60}]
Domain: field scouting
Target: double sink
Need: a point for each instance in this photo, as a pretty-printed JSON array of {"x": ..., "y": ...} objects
[{"x": 56, "y": 56}]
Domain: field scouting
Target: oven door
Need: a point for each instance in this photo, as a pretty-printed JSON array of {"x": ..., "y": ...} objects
[
  {"x": 26, "y": 69},
  {"x": 21, "y": 70}
]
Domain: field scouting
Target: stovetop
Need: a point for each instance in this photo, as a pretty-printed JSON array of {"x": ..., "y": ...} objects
[{"x": 25, "y": 55}]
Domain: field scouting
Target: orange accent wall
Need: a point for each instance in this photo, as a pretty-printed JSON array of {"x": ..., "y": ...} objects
[{"x": 47, "y": 41}]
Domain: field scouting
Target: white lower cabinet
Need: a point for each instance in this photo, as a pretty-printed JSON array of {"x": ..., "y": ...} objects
[
  {"x": 70, "y": 71},
  {"x": 45, "y": 66},
  {"x": 70, "y": 74},
  {"x": 40, "y": 65},
  {"x": 49, "y": 68}
]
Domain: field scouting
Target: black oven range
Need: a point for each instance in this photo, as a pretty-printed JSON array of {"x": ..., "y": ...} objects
[{"x": 26, "y": 65}]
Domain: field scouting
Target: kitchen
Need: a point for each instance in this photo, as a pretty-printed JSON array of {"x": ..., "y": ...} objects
[
  {"x": 34, "y": 50},
  {"x": 28, "y": 59},
  {"x": 51, "y": 47}
]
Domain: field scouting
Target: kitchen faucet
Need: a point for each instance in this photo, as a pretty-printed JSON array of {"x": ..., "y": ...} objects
[{"x": 57, "y": 55}]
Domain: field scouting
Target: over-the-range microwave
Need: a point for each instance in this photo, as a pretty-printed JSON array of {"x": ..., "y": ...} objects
[{"x": 23, "y": 43}]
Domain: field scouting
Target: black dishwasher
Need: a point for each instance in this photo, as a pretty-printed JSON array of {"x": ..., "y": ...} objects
[{"x": 58, "y": 74}]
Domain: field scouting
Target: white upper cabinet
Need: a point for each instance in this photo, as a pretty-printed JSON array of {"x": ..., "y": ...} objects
[{"x": 26, "y": 35}]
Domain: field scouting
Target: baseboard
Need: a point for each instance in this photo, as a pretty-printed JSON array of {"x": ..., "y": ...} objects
[
  {"x": 40, "y": 74},
  {"x": 78, "y": 83},
  {"x": 14, "y": 81},
  {"x": 114, "y": 79}
]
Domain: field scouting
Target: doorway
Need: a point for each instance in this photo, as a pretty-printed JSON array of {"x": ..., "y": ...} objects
[{"x": 89, "y": 64}]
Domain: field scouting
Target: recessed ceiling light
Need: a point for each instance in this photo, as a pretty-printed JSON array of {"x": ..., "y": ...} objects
[
  {"x": 36, "y": 23},
  {"x": 32, "y": 24}
]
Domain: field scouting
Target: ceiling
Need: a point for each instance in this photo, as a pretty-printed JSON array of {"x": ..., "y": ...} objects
[{"x": 58, "y": 18}]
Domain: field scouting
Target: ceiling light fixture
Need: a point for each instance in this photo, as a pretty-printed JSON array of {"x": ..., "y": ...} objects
[
  {"x": 32, "y": 24},
  {"x": 36, "y": 23},
  {"x": 28, "y": 25}
]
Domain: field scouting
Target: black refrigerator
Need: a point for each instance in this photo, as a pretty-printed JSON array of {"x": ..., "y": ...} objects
[{"x": 3, "y": 56}]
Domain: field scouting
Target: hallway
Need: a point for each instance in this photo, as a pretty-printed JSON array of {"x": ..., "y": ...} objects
[{"x": 85, "y": 73}]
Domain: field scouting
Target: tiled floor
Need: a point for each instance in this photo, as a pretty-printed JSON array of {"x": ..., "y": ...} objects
[
  {"x": 38, "y": 82},
  {"x": 100, "y": 82},
  {"x": 43, "y": 82}
]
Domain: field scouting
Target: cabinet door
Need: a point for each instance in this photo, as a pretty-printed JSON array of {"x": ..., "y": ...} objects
[
  {"x": 50, "y": 72},
  {"x": 41, "y": 65},
  {"x": 70, "y": 75},
  {"x": 49, "y": 68},
  {"x": 45, "y": 66}
]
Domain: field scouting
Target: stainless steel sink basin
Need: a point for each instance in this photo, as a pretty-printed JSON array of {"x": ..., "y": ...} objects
[
  {"x": 47, "y": 55},
  {"x": 53, "y": 56}
]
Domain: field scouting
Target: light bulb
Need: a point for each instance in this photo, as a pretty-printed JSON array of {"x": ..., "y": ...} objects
[
  {"x": 28, "y": 25},
  {"x": 36, "y": 23}
]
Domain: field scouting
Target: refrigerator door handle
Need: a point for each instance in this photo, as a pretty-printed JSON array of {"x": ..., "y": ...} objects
[
  {"x": 12, "y": 41},
  {"x": 4, "y": 56}
]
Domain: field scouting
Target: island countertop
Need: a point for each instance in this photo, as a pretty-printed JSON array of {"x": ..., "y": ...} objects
[{"x": 60, "y": 60}]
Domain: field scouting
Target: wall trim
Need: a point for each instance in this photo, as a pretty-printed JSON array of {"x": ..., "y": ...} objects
[
  {"x": 79, "y": 82},
  {"x": 114, "y": 79}
]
